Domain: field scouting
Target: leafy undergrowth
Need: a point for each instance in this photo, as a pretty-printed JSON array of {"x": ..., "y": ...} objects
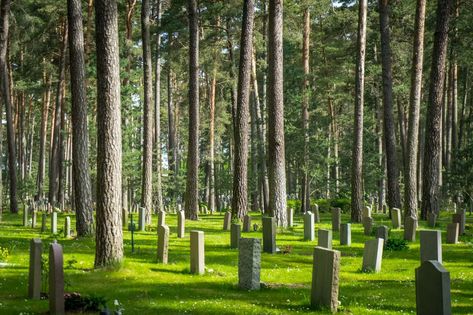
[{"x": 143, "y": 286}]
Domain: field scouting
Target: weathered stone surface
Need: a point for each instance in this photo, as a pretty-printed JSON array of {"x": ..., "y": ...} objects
[
  {"x": 430, "y": 246},
  {"x": 56, "y": 280},
  {"x": 382, "y": 232},
  {"x": 197, "y": 252},
  {"x": 460, "y": 218},
  {"x": 249, "y": 264},
  {"x": 290, "y": 217},
  {"x": 247, "y": 223},
  {"x": 161, "y": 218},
  {"x": 367, "y": 225},
  {"x": 67, "y": 227},
  {"x": 142, "y": 219},
  {"x": 325, "y": 278},
  {"x": 366, "y": 212},
  {"x": 163, "y": 243},
  {"x": 44, "y": 217},
  {"x": 396, "y": 218},
  {"x": 227, "y": 221},
  {"x": 34, "y": 285},
  {"x": 336, "y": 219},
  {"x": 345, "y": 234},
  {"x": 26, "y": 215},
  {"x": 373, "y": 255},
  {"x": 269, "y": 235},
  {"x": 309, "y": 231},
  {"x": 235, "y": 235},
  {"x": 315, "y": 211},
  {"x": 33, "y": 219},
  {"x": 324, "y": 238},
  {"x": 54, "y": 222},
  {"x": 181, "y": 224},
  {"x": 433, "y": 289},
  {"x": 452, "y": 233},
  {"x": 431, "y": 219},
  {"x": 410, "y": 226}
]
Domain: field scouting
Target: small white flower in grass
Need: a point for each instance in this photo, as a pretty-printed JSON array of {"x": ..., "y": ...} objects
[{"x": 115, "y": 302}]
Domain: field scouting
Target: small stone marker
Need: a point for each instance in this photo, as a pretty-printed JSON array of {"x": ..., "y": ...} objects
[
  {"x": 315, "y": 211},
  {"x": 460, "y": 218},
  {"x": 325, "y": 238},
  {"x": 34, "y": 287},
  {"x": 56, "y": 280},
  {"x": 44, "y": 217},
  {"x": 309, "y": 232},
  {"x": 382, "y": 232},
  {"x": 396, "y": 218},
  {"x": 25, "y": 215},
  {"x": 181, "y": 223},
  {"x": 163, "y": 243},
  {"x": 142, "y": 219},
  {"x": 410, "y": 226},
  {"x": 197, "y": 252},
  {"x": 290, "y": 217},
  {"x": 432, "y": 289},
  {"x": 161, "y": 218},
  {"x": 431, "y": 219},
  {"x": 269, "y": 235},
  {"x": 54, "y": 222},
  {"x": 452, "y": 233},
  {"x": 345, "y": 234},
  {"x": 336, "y": 219},
  {"x": 67, "y": 227},
  {"x": 33, "y": 219},
  {"x": 373, "y": 255},
  {"x": 247, "y": 223},
  {"x": 227, "y": 221},
  {"x": 366, "y": 212},
  {"x": 325, "y": 278},
  {"x": 249, "y": 264},
  {"x": 430, "y": 245},
  {"x": 235, "y": 235},
  {"x": 367, "y": 225}
]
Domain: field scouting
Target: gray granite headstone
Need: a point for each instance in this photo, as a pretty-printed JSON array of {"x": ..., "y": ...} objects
[
  {"x": 324, "y": 238},
  {"x": 249, "y": 264},
  {"x": 309, "y": 232},
  {"x": 161, "y": 218},
  {"x": 290, "y": 217},
  {"x": 367, "y": 225},
  {"x": 181, "y": 224},
  {"x": 44, "y": 217},
  {"x": 56, "y": 280},
  {"x": 396, "y": 218},
  {"x": 227, "y": 221},
  {"x": 373, "y": 255},
  {"x": 54, "y": 222},
  {"x": 382, "y": 232},
  {"x": 336, "y": 219},
  {"x": 325, "y": 278},
  {"x": 366, "y": 212},
  {"x": 430, "y": 246},
  {"x": 431, "y": 219},
  {"x": 235, "y": 235},
  {"x": 197, "y": 252},
  {"x": 269, "y": 235},
  {"x": 315, "y": 211},
  {"x": 345, "y": 234},
  {"x": 410, "y": 226},
  {"x": 34, "y": 287},
  {"x": 433, "y": 289},
  {"x": 163, "y": 243},
  {"x": 452, "y": 233},
  {"x": 67, "y": 227},
  {"x": 247, "y": 223},
  {"x": 142, "y": 219},
  {"x": 33, "y": 219},
  {"x": 460, "y": 218}
]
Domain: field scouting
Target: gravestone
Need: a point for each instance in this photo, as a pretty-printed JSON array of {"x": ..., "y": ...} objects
[
  {"x": 161, "y": 218},
  {"x": 163, "y": 243},
  {"x": 325, "y": 278},
  {"x": 396, "y": 218},
  {"x": 430, "y": 245},
  {"x": 67, "y": 227},
  {"x": 235, "y": 235},
  {"x": 324, "y": 238},
  {"x": 460, "y": 218},
  {"x": 336, "y": 219},
  {"x": 309, "y": 232},
  {"x": 410, "y": 226},
  {"x": 315, "y": 211},
  {"x": 431, "y": 219},
  {"x": 385, "y": 208},
  {"x": 25, "y": 215},
  {"x": 452, "y": 233},
  {"x": 227, "y": 221},
  {"x": 247, "y": 223},
  {"x": 197, "y": 252},
  {"x": 290, "y": 217},
  {"x": 432, "y": 289},
  {"x": 142, "y": 219},
  {"x": 366, "y": 212},
  {"x": 181, "y": 223},
  {"x": 382, "y": 232},
  {"x": 345, "y": 234},
  {"x": 269, "y": 235},
  {"x": 44, "y": 217},
  {"x": 54, "y": 222},
  {"x": 373, "y": 255},
  {"x": 56, "y": 280},
  {"x": 34, "y": 286},
  {"x": 249, "y": 264},
  {"x": 33, "y": 219},
  {"x": 367, "y": 225}
]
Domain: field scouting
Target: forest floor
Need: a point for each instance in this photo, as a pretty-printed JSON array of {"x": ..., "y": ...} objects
[{"x": 143, "y": 286}]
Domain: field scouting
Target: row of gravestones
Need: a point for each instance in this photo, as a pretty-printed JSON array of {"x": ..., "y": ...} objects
[{"x": 44, "y": 217}]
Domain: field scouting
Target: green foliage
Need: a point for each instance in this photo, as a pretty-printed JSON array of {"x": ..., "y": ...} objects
[
  {"x": 396, "y": 244},
  {"x": 75, "y": 302},
  {"x": 4, "y": 253}
]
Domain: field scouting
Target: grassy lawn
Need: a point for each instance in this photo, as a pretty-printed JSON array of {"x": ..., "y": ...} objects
[{"x": 143, "y": 286}]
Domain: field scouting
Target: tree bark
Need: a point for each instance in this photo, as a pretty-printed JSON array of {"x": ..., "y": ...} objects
[{"x": 211, "y": 166}]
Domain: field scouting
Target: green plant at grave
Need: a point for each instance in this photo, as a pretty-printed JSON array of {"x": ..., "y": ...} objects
[
  {"x": 396, "y": 244},
  {"x": 4, "y": 253}
]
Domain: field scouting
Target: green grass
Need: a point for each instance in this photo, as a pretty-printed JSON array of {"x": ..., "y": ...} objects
[{"x": 143, "y": 286}]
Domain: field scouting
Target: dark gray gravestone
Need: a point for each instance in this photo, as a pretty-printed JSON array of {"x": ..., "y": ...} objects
[
  {"x": 227, "y": 221},
  {"x": 433, "y": 289},
  {"x": 44, "y": 217},
  {"x": 249, "y": 264},
  {"x": 269, "y": 235},
  {"x": 396, "y": 218},
  {"x": 382, "y": 232},
  {"x": 431, "y": 219},
  {"x": 163, "y": 243},
  {"x": 410, "y": 226},
  {"x": 324, "y": 238},
  {"x": 235, "y": 235},
  {"x": 345, "y": 234},
  {"x": 430, "y": 246},
  {"x": 452, "y": 233},
  {"x": 247, "y": 223},
  {"x": 325, "y": 278},
  {"x": 336, "y": 219},
  {"x": 34, "y": 287},
  {"x": 367, "y": 225},
  {"x": 460, "y": 218},
  {"x": 56, "y": 280},
  {"x": 181, "y": 224},
  {"x": 197, "y": 252},
  {"x": 309, "y": 232}
]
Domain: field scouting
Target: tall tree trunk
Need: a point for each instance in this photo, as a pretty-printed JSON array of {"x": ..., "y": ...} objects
[
  {"x": 109, "y": 237},
  {"x": 240, "y": 175},
  {"x": 80, "y": 136},
  {"x": 357, "y": 156},
  {"x": 192, "y": 183},
  {"x": 394, "y": 196},
  {"x": 410, "y": 187},
  {"x": 276, "y": 150},
  {"x": 211, "y": 161},
  {"x": 430, "y": 190},
  {"x": 172, "y": 134}
]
